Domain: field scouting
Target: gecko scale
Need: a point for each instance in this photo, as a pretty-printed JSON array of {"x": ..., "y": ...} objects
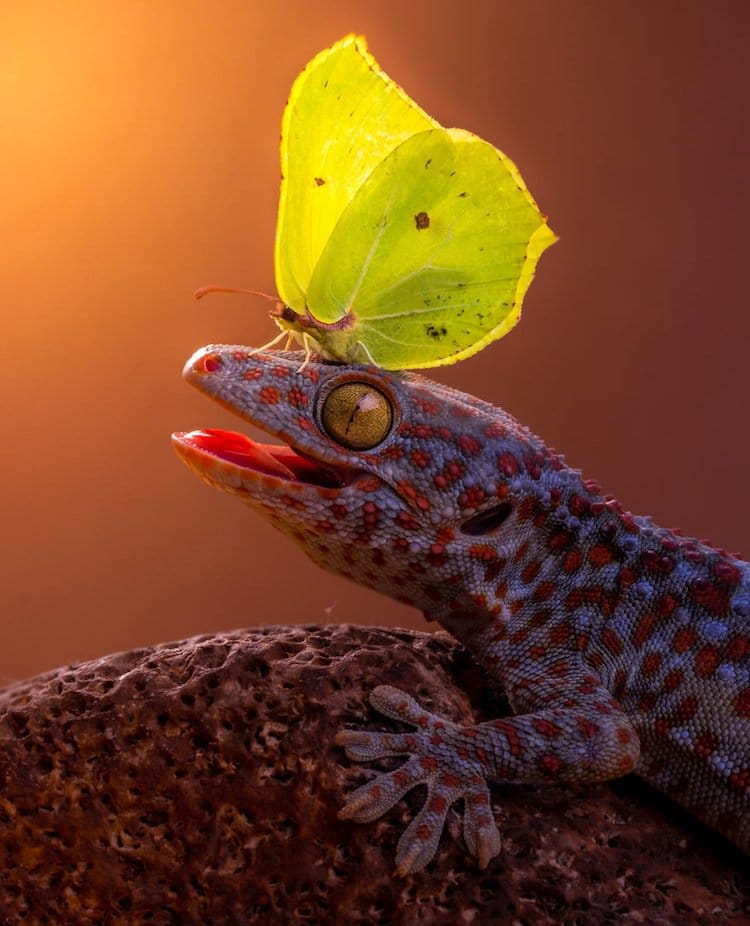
[{"x": 621, "y": 646}]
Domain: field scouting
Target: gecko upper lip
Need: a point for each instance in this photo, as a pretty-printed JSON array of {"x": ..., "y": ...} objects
[{"x": 278, "y": 460}]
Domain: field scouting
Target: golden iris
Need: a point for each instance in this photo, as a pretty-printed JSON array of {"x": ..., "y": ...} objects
[{"x": 357, "y": 416}]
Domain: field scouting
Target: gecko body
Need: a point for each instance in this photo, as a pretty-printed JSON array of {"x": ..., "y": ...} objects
[{"x": 621, "y": 646}]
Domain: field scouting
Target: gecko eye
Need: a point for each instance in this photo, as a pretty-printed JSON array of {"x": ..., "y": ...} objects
[{"x": 357, "y": 416}]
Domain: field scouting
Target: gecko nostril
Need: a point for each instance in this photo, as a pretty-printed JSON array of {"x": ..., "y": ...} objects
[{"x": 208, "y": 364}]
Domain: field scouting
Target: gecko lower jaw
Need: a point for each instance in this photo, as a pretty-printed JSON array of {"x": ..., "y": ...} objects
[{"x": 236, "y": 451}]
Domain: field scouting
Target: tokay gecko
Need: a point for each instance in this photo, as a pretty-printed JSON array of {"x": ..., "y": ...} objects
[{"x": 621, "y": 646}]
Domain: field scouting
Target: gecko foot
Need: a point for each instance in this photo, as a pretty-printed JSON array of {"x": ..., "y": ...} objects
[{"x": 438, "y": 758}]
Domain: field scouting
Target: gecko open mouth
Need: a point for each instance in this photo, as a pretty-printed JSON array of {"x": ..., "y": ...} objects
[{"x": 278, "y": 460}]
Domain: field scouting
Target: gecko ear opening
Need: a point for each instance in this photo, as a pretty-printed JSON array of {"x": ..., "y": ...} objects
[{"x": 488, "y": 520}]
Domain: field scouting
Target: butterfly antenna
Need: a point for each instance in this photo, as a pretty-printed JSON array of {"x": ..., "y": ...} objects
[{"x": 206, "y": 290}]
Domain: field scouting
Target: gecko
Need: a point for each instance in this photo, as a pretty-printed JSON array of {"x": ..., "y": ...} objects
[{"x": 621, "y": 646}]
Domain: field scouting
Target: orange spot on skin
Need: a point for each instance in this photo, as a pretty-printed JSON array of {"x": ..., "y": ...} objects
[
  {"x": 666, "y": 604},
  {"x": 612, "y": 642},
  {"x": 742, "y": 703},
  {"x": 544, "y": 591},
  {"x": 651, "y": 663},
  {"x": 560, "y": 540},
  {"x": 644, "y": 628},
  {"x": 508, "y": 464},
  {"x": 450, "y": 781},
  {"x": 627, "y": 577},
  {"x": 482, "y": 552},
  {"x": 550, "y": 765},
  {"x": 269, "y": 395},
  {"x": 738, "y": 648},
  {"x": 706, "y": 661},
  {"x": 626, "y": 764},
  {"x": 600, "y": 555},
  {"x": 560, "y": 633},
  {"x": 705, "y": 745},
  {"x": 740, "y": 780},
  {"x": 511, "y": 734},
  {"x": 530, "y": 572},
  {"x": 727, "y": 572},
  {"x": 684, "y": 639},
  {"x": 546, "y": 728},
  {"x": 715, "y": 599},
  {"x": 587, "y": 728}
]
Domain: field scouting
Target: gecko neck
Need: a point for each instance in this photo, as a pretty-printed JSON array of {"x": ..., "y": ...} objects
[{"x": 562, "y": 533}]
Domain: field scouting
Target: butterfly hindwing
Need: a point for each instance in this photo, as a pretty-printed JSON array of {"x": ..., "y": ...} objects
[{"x": 431, "y": 257}]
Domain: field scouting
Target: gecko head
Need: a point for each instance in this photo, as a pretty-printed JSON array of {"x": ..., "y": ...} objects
[{"x": 388, "y": 478}]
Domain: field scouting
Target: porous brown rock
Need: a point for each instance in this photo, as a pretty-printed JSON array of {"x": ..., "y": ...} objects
[{"x": 198, "y": 783}]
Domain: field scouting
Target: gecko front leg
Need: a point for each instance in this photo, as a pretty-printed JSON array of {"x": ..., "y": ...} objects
[
  {"x": 577, "y": 732},
  {"x": 437, "y": 761}
]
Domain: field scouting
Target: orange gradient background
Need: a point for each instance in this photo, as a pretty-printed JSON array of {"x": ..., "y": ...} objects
[{"x": 140, "y": 161}]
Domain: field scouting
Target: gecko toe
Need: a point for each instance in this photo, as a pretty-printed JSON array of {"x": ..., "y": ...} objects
[
  {"x": 378, "y": 796},
  {"x": 420, "y": 839},
  {"x": 398, "y": 705},
  {"x": 365, "y": 745},
  {"x": 480, "y": 830}
]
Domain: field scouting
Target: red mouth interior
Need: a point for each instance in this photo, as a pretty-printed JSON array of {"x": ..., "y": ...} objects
[{"x": 280, "y": 461}]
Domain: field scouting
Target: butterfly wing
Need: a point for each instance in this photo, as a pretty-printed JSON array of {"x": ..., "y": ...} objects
[
  {"x": 344, "y": 116},
  {"x": 432, "y": 257}
]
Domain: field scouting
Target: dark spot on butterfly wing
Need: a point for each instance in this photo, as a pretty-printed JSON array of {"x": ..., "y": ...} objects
[
  {"x": 320, "y": 181},
  {"x": 422, "y": 220}
]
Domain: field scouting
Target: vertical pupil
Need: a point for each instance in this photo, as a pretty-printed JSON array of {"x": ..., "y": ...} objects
[{"x": 353, "y": 417}]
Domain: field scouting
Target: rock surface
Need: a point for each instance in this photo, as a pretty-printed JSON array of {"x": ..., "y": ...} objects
[{"x": 198, "y": 783}]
